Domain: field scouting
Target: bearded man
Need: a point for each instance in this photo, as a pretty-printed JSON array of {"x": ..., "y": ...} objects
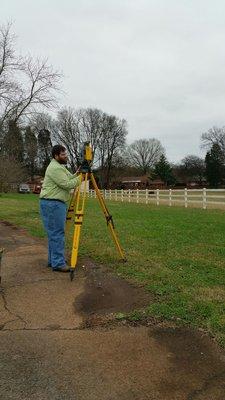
[{"x": 55, "y": 193}]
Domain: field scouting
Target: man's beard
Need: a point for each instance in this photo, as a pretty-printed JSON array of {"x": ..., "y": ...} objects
[{"x": 62, "y": 161}]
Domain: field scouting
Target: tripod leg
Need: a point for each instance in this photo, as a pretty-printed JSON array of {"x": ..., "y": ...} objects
[
  {"x": 70, "y": 211},
  {"x": 108, "y": 217},
  {"x": 79, "y": 213}
]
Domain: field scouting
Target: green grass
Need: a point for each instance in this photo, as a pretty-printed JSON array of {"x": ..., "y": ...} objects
[{"x": 177, "y": 254}]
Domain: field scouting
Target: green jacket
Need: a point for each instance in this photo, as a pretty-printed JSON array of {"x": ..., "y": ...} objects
[{"x": 58, "y": 182}]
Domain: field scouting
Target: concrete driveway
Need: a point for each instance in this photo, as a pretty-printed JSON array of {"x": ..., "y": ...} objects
[{"x": 59, "y": 340}]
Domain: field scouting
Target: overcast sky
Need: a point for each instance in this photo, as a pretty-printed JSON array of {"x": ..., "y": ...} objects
[{"x": 158, "y": 64}]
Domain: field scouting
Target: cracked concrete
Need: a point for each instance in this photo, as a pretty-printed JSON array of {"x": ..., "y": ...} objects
[{"x": 46, "y": 353}]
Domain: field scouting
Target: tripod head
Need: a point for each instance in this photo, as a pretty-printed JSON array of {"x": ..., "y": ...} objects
[{"x": 86, "y": 158}]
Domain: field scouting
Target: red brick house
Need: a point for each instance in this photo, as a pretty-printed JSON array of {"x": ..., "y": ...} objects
[{"x": 137, "y": 182}]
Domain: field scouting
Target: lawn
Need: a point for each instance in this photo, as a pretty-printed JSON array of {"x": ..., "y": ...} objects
[{"x": 177, "y": 254}]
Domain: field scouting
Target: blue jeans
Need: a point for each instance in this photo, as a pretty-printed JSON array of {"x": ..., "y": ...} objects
[{"x": 53, "y": 213}]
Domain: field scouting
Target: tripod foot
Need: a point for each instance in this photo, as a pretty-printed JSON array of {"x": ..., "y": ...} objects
[{"x": 71, "y": 274}]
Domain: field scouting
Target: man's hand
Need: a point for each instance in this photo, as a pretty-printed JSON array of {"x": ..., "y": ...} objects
[{"x": 77, "y": 171}]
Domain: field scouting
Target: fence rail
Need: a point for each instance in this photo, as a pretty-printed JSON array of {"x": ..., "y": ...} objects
[{"x": 204, "y": 198}]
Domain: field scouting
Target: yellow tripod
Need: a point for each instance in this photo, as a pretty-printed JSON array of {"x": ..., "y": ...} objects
[{"x": 76, "y": 212}]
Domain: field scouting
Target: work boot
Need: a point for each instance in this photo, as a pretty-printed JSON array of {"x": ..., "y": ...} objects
[{"x": 65, "y": 268}]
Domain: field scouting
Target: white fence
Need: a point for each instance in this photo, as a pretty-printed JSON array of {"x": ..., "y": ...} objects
[{"x": 204, "y": 198}]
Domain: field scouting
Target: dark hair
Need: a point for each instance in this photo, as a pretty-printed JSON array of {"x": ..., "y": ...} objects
[{"x": 57, "y": 149}]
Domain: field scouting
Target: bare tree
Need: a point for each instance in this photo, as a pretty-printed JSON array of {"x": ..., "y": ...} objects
[
  {"x": 145, "y": 153},
  {"x": 67, "y": 132},
  {"x": 106, "y": 134},
  {"x": 214, "y": 136},
  {"x": 7, "y": 56},
  {"x": 91, "y": 126},
  {"x": 25, "y": 84},
  {"x": 193, "y": 167},
  {"x": 39, "y": 89},
  {"x": 74, "y": 127},
  {"x": 9, "y": 63},
  {"x": 110, "y": 144},
  {"x": 40, "y": 121}
]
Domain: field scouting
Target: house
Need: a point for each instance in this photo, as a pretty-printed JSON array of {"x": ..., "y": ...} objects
[
  {"x": 157, "y": 184},
  {"x": 134, "y": 182},
  {"x": 137, "y": 182}
]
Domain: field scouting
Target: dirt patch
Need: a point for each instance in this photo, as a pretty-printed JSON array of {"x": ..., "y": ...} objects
[
  {"x": 7, "y": 223},
  {"x": 104, "y": 293},
  {"x": 190, "y": 349},
  {"x": 13, "y": 237}
]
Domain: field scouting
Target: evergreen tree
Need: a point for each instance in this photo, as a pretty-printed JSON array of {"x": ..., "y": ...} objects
[
  {"x": 30, "y": 147},
  {"x": 44, "y": 149},
  {"x": 164, "y": 171},
  {"x": 214, "y": 166},
  {"x": 13, "y": 146}
]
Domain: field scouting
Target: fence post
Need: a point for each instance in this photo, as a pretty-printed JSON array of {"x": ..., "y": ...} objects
[
  {"x": 122, "y": 195},
  {"x": 204, "y": 199},
  {"x": 137, "y": 195},
  {"x": 110, "y": 194},
  {"x": 185, "y": 198},
  {"x": 170, "y": 197},
  {"x": 95, "y": 194},
  {"x": 157, "y": 197},
  {"x": 116, "y": 194},
  {"x": 129, "y": 195},
  {"x": 146, "y": 196}
]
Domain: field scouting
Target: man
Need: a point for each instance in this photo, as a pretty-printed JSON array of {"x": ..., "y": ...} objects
[{"x": 55, "y": 193}]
